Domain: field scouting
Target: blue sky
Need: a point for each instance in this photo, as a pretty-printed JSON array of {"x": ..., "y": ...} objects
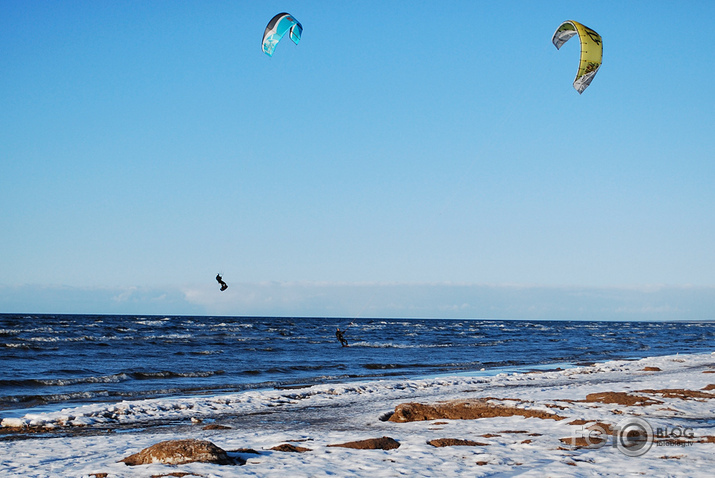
[{"x": 406, "y": 159}]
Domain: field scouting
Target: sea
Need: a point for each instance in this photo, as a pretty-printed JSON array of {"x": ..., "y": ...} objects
[{"x": 50, "y": 362}]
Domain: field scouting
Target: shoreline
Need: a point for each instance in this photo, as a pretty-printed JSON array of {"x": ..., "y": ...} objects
[
  {"x": 19, "y": 412},
  {"x": 675, "y": 393}
]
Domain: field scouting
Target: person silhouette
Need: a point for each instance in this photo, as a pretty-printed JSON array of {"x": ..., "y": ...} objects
[
  {"x": 341, "y": 337},
  {"x": 224, "y": 286}
]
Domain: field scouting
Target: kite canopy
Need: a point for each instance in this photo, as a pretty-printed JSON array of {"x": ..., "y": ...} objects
[
  {"x": 277, "y": 27},
  {"x": 591, "y": 51}
]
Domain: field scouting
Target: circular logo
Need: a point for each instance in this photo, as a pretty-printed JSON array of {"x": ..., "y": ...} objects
[{"x": 634, "y": 436}]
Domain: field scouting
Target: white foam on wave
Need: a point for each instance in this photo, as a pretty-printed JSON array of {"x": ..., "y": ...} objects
[
  {"x": 391, "y": 345},
  {"x": 171, "y": 409},
  {"x": 62, "y": 382}
]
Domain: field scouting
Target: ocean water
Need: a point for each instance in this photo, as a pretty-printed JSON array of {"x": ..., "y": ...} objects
[{"x": 54, "y": 361}]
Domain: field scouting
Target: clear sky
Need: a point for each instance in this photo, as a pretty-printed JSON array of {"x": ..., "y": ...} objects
[{"x": 406, "y": 159}]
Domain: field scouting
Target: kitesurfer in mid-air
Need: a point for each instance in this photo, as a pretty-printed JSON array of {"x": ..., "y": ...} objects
[
  {"x": 339, "y": 334},
  {"x": 224, "y": 286}
]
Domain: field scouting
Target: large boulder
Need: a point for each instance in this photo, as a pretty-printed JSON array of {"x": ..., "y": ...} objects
[{"x": 176, "y": 452}]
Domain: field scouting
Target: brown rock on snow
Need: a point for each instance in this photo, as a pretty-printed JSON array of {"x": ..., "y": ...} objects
[
  {"x": 290, "y": 448},
  {"x": 440, "y": 442},
  {"x": 620, "y": 398},
  {"x": 384, "y": 443},
  {"x": 462, "y": 410},
  {"x": 177, "y": 474},
  {"x": 215, "y": 426},
  {"x": 176, "y": 452},
  {"x": 680, "y": 393},
  {"x": 245, "y": 450},
  {"x": 623, "y": 398},
  {"x": 584, "y": 442},
  {"x": 580, "y": 421}
]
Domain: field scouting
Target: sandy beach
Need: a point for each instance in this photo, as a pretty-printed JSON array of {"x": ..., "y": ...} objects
[{"x": 654, "y": 416}]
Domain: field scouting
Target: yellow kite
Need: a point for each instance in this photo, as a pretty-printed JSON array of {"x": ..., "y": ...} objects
[{"x": 591, "y": 51}]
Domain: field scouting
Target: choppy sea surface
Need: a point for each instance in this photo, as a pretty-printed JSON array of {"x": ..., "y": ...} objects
[{"x": 53, "y": 361}]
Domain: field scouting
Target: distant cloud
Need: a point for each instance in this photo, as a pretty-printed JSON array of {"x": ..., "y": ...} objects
[
  {"x": 76, "y": 300},
  {"x": 389, "y": 300},
  {"x": 448, "y": 300}
]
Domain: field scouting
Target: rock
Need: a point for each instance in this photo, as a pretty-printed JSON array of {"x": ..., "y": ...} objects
[
  {"x": 580, "y": 421},
  {"x": 651, "y": 369},
  {"x": 176, "y": 452},
  {"x": 680, "y": 393},
  {"x": 584, "y": 442},
  {"x": 176, "y": 474},
  {"x": 620, "y": 398},
  {"x": 215, "y": 426},
  {"x": 290, "y": 448},
  {"x": 440, "y": 442},
  {"x": 462, "y": 410},
  {"x": 245, "y": 450},
  {"x": 384, "y": 443}
]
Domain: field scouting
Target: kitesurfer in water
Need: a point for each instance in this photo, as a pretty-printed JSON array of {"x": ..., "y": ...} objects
[
  {"x": 339, "y": 334},
  {"x": 224, "y": 286}
]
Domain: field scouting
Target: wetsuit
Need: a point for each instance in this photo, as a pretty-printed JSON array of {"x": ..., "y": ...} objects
[{"x": 341, "y": 338}]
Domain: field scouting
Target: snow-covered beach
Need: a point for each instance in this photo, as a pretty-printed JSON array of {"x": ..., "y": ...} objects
[{"x": 550, "y": 423}]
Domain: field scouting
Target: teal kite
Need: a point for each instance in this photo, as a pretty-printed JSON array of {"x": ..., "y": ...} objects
[{"x": 277, "y": 27}]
